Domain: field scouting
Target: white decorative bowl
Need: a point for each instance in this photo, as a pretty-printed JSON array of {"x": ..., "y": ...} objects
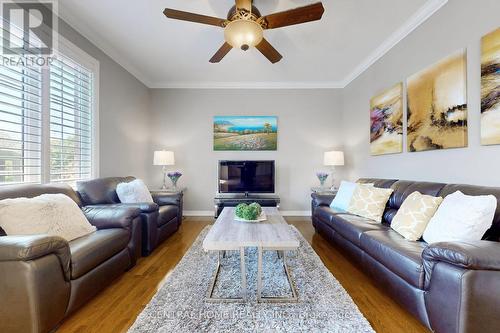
[{"x": 262, "y": 217}]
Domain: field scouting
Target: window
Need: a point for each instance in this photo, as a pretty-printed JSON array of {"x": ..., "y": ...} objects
[
  {"x": 70, "y": 121},
  {"x": 48, "y": 128}
]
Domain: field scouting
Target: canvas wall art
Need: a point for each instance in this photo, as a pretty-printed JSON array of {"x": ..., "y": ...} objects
[
  {"x": 490, "y": 88},
  {"x": 386, "y": 121},
  {"x": 437, "y": 105},
  {"x": 245, "y": 133}
]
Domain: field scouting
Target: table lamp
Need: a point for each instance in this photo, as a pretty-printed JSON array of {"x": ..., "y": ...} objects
[
  {"x": 333, "y": 159},
  {"x": 164, "y": 158}
]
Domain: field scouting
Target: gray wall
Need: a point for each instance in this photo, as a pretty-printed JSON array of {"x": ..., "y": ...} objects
[
  {"x": 459, "y": 24},
  {"x": 123, "y": 114},
  {"x": 309, "y": 122}
]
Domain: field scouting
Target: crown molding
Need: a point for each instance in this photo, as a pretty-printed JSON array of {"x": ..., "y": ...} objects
[
  {"x": 425, "y": 12},
  {"x": 248, "y": 85},
  {"x": 96, "y": 39}
]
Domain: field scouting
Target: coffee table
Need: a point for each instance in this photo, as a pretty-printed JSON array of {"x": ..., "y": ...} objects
[{"x": 274, "y": 234}]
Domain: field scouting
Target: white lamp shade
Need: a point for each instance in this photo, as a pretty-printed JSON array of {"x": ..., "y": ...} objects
[
  {"x": 163, "y": 157},
  {"x": 334, "y": 158}
]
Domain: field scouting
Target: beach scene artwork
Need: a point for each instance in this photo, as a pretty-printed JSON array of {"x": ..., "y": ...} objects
[
  {"x": 245, "y": 133},
  {"x": 437, "y": 105},
  {"x": 386, "y": 121},
  {"x": 490, "y": 88}
]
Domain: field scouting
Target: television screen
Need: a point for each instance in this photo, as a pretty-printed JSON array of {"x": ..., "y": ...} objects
[{"x": 246, "y": 176}]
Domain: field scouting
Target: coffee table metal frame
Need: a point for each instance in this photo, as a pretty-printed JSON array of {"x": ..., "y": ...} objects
[{"x": 268, "y": 237}]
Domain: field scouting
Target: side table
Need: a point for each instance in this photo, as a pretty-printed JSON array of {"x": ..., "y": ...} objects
[
  {"x": 323, "y": 190},
  {"x": 169, "y": 190}
]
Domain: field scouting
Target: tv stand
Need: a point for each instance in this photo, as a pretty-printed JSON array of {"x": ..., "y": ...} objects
[{"x": 232, "y": 200}]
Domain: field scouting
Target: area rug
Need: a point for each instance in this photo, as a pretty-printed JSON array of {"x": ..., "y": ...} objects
[{"x": 179, "y": 306}]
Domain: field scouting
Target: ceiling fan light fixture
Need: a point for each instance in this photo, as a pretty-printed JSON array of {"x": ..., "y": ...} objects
[{"x": 243, "y": 34}]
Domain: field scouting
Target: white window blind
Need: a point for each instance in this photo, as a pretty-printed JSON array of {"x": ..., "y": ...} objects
[
  {"x": 47, "y": 116},
  {"x": 70, "y": 121},
  {"x": 20, "y": 120}
]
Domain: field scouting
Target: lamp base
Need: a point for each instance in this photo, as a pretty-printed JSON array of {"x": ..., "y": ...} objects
[{"x": 164, "y": 171}]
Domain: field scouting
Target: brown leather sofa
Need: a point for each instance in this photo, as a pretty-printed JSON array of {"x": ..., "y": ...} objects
[
  {"x": 448, "y": 286},
  {"x": 159, "y": 219},
  {"x": 44, "y": 278}
]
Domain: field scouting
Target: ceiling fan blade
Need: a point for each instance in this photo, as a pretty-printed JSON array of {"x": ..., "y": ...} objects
[
  {"x": 221, "y": 53},
  {"x": 268, "y": 51},
  {"x": 244, "y": 4},
  {"x": 299, "y": 15},
  {"x": 192, "y": 17}
]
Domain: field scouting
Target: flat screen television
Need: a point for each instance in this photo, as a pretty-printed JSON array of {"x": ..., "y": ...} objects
[{"x": 246, "y": 176}]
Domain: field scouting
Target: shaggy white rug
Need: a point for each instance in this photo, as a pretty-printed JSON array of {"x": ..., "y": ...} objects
[{"x": 180, "y": 306}]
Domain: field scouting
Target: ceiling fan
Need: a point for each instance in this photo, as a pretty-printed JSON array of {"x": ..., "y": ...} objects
[{"x": 244, "y": 26}]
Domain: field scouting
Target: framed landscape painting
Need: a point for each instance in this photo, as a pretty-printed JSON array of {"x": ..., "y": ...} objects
[
  {"x": 490, "y": 88},
  {"x": 245, "y": 133},
  {"x": 386, "y": 121},
  {"x": 437, "y": 105}
]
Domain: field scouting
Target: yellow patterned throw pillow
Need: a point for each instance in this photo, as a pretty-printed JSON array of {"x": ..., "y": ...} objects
[
  {"x": 369, "y": 202},
  {"x": 414, "y": 215}
]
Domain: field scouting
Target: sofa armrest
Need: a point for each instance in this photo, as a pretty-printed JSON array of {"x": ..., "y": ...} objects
[
  {"x": 165, "y": 199},
  {"x": 462, "y": 283},
  {"x": 111, "y": 216},
  {"x": 322, "y": 199},
  {"x": 31, "y": 247},
  {"x": 473, "y": 255}
]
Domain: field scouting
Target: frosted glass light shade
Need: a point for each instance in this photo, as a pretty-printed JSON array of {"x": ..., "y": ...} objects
[
  {"x": 163, "y": 157},
  {"x": 334, "y": 158},
  {"x": 243, "y": 34}
]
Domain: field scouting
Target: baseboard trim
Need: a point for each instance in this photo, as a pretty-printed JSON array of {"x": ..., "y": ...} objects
[
  {"x": 283, "y": 212},
  {"x": 295, "y": 212},
  {"x": 198, "y": 213}
]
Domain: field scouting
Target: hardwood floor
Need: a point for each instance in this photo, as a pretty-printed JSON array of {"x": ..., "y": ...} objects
[{"x": 115, "y": 309}]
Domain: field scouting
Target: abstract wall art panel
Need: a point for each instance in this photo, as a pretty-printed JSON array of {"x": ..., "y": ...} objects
[
  {"x": 245, "y": 133},
  {"x": 490, "y": 88},
  {"x": 386, "y": 121},
  {"x": 437, "y": 105}
]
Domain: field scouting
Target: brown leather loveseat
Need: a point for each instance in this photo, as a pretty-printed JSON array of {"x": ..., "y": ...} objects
[
  {"x": 448, "y": 286},
  {"x": 44, "y": 278},
  {"x": 160, "y": 219}
]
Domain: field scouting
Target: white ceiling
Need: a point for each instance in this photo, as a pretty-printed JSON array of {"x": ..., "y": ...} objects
[{"x": 168, "y": 53}]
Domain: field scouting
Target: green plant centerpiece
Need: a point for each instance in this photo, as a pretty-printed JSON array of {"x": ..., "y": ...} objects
[{"x": 249, "y": 212}]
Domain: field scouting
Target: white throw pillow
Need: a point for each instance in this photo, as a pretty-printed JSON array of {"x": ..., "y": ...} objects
[
  {"x": 461, "y": 218},
  {"x": 134, "y": 192},
  {"x": 51, "y": 214}
]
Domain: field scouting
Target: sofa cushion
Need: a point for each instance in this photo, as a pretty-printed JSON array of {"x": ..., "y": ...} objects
[
  {"x": 101, "y": 190},
  {"x": 325, "y": 213},
  {"x": 352, "y": 226},
  {"x": 90, "y": 251},
  {"x": 166, "y": 214},
  {"x": 402, "y": 257}
]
